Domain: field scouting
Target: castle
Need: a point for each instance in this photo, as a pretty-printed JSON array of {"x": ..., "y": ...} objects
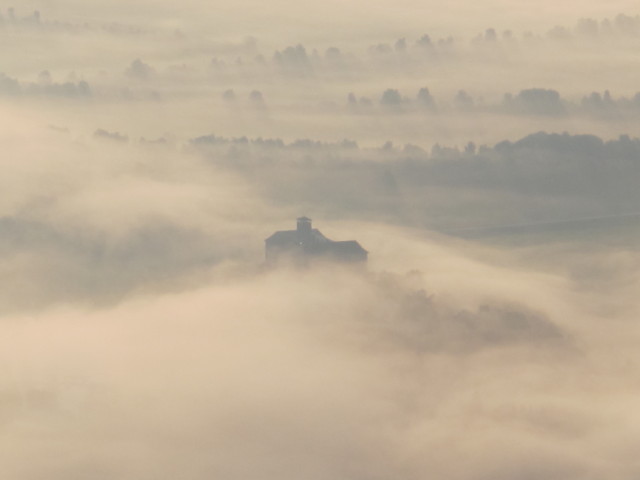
[{"x": 304, "y": 244}]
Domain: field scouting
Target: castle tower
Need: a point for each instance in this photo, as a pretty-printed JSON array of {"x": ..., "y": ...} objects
[{"x": 304, "y": 226}]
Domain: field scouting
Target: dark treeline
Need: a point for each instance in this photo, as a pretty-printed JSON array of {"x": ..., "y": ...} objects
[
  {"x": 11, "y": 19},
  {"x": 541, "y": 177},
  {"x": 303, "y": 60},
  {"x": 44, "y": 86},
  {"x": 584, "y": 146},
  {"x": 531, "y": 101}
]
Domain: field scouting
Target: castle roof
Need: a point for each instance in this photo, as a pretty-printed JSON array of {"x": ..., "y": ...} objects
[
  {"x": 283, "y": 237},
  {"x": 312, "y": 243}
]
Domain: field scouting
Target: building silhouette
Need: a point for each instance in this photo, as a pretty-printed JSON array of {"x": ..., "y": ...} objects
[{"x": 305, "y": 244}]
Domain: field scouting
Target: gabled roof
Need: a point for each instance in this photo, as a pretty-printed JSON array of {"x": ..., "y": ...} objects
[
  {"x": 293, "y": 236},
  {"x": 311, "y": 243},
  {"x": 349, "y": 246},
  {"x": 315, "y": 239}
]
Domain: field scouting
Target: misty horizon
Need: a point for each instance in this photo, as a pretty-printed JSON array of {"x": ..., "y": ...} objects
[{"x": 464, "y": 305}]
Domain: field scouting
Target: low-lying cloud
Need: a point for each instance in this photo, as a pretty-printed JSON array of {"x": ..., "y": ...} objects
[
  {"x": 323, "y": 373},
  {"x": 489, "y": 166}
]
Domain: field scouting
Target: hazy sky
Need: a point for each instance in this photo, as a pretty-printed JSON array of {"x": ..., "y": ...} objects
[{"x": 486, "y": 156}]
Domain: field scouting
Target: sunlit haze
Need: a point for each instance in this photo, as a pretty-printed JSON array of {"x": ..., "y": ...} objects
[{"x": 319, "y": 240}]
